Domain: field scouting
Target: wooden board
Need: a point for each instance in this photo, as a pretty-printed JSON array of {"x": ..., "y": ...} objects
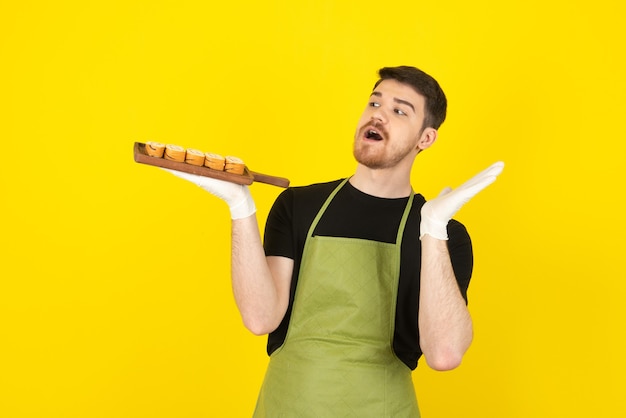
[{"x": 247, "y": 178}]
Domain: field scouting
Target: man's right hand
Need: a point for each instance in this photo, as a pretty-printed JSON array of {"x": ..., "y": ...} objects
[{"x": 237, "y": 196}]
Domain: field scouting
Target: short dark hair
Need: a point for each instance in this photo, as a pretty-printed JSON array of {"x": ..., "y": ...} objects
[{"x": 424, "y": 84}]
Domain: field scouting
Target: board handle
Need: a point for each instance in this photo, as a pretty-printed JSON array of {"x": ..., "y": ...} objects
[{"x": 267, "y": 179}]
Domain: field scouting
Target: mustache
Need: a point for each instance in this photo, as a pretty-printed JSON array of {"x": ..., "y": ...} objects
[{"x": 376, "y": 125}]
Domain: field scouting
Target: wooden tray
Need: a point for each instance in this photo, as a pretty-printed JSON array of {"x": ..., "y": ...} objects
[{"x": 247, "y": 178}]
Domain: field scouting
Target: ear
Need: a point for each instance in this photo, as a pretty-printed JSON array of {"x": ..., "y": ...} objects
[{"x": 427, "y": 138}]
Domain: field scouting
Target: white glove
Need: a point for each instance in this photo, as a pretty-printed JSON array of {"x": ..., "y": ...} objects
[
  {"x": 437, "y": 213},
  {"x": 237, "y": 196}
]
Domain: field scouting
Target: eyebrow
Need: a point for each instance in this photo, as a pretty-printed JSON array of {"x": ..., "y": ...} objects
[{"x": 395, "y": 99}]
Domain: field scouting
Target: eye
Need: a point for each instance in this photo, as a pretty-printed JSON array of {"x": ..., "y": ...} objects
[
  {"x": 400, "y": 112},
  {"x": 374, "y": 104}
]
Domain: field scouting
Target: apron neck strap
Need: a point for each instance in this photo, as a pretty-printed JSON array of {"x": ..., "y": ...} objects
[
  {"x": 324, "y": 206},
  {"x": 405, "y": 215}
]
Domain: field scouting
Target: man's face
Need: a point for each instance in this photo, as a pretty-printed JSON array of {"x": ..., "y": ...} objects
[{"x": 390, "y": 126}]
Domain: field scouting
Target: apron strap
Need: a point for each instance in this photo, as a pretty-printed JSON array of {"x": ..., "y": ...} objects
[
  {"x": 324, "y": 206},
  {"x": 405, "y": 215}
]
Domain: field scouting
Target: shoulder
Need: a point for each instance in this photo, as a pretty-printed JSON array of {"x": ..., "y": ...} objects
[
  {"x": 289, "y": 218},
  {"x": 301, "y": 201},
  {"x": 457, "y": 233},
  {"x": 307, "y": 195},
  {"x": 313, "y": 189}
]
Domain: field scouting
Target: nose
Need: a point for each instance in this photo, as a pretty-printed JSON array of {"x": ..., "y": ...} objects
[{"x": 379, "y": 115}]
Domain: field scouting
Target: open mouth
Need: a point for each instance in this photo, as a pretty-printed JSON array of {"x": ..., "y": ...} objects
[{"x": 373, "y": 134}]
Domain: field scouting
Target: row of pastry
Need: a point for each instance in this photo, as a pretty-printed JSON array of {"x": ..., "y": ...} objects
[{"x": 196, "y": 157}]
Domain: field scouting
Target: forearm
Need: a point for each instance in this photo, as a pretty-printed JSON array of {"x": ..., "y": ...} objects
[
  {"x": 261, "y": 298},
  {"x": 445, "y": 325},
  {"x": 260, "y": 284}
]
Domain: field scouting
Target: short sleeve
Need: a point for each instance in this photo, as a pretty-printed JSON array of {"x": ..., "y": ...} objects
[
  {"x": 461, "y": 255},
  {"x": 278, "y": 237}
]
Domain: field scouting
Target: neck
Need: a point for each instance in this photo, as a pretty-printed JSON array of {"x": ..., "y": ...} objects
[{"x": 388, "y": 183}]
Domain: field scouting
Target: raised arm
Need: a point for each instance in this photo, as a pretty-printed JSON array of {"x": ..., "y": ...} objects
[
  {"x": 260, "y": 284},
  {"x": 445, "y": 324}
]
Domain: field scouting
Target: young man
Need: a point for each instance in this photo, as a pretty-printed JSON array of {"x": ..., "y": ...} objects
[{"x": 357, "y": 278}]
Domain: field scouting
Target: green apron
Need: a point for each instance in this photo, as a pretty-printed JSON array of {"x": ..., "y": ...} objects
[{"x": 337, "y": 359}]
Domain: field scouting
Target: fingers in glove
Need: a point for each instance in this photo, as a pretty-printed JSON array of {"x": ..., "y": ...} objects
[
  {"x": 482, "y": 179},
  {"x": 492, "y": 171},
  {"x": 185, "y": 176},
  {"x": 445, "y": 191}
]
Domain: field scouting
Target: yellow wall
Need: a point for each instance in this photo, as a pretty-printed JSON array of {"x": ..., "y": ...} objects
[{"x": 114, "y": 293}]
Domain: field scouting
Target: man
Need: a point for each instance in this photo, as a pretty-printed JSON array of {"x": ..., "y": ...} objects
[{"x": 357, "y": 278}]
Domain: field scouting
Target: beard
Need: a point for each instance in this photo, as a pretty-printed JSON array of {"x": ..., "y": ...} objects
[{"x": 379, "y": 154}]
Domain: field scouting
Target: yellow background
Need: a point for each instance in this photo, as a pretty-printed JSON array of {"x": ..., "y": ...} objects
[{"x": 115, "y": 298}]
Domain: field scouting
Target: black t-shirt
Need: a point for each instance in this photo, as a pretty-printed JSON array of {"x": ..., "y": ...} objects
[{"x": 354, "y": 214}]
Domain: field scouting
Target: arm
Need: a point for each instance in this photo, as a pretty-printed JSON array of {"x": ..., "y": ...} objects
[
  {"x": 260, "y": 284},
  {"x": 444, "y": 321}
]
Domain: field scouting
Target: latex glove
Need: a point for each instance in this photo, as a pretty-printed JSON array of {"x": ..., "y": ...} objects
[
  {"x": 237, "y": 196},
  {"x": 436, "y": 213}
]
